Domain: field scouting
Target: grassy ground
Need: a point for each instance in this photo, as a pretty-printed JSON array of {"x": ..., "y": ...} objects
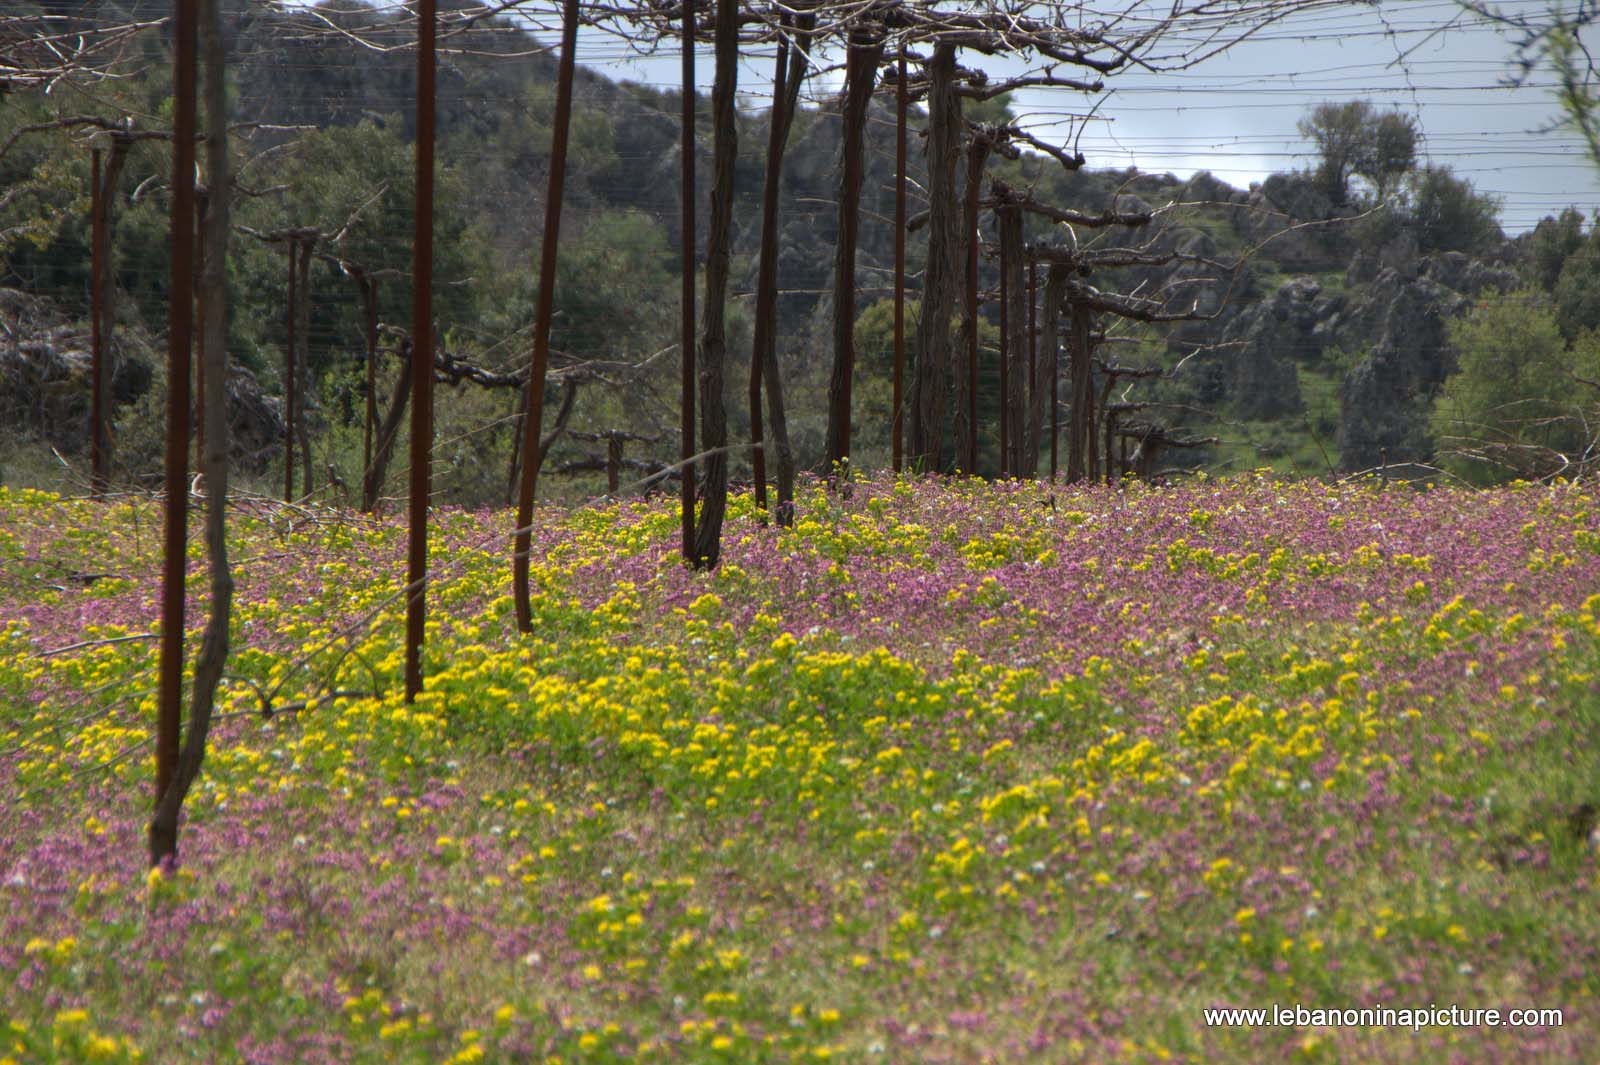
[{"x": 945, "y": 774}]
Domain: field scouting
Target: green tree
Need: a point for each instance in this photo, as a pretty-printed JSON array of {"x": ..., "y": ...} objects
[
  {"x": 1516, "y": 405},
  {"x": 355, "y": 180},
  {"x": 995, "y": 111},
  {"x": 1450, "y": 215},
  {"x": 1338, "y": 131},
  {"x": 1553, "y": 242},
  {"x": 1390, "y": 153},
  {"x": 1577, "y": 287},
  {"x": 1354, "y": 139}
]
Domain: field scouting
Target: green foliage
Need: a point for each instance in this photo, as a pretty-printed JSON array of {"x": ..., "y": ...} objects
[
  {"x": 1449, "y": 214},
  {"x": 1554, "y": 240},
  {"x": 1513, "y": 408},
  {"x": 1577, "y": 287},
  {"x": 1355, "y": 139},
  {"x": 875, "y": 334},
  {"x": 1391, "y": 151},
  {"x": 356, "y": 181},
  {"x": 615, "y": 288},
  {"x": 46, "y": 199},
  {"x": 995, "y": 111}
]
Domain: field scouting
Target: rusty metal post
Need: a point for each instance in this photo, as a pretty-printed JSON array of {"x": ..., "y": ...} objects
[
  {"x": 533, "y": 420},
  {"x": 1032, "y": 458},
  {"x": 613, "y": 461},
  {"x": 421, "y": 354},
  {"x": 1055, "y": 396},
  {"x": 977, "y": 152},
  {"x": 180, "y": 311},
  {"x": 201, "y": 204},
  {"x": 97, "y": 371},
  {"x": 369, "y": 302},
  {"x": 898, "y": 447},
  {"x": 686, "y": 430},
  {"x": 1005, "y": 371},
  {"x": 1110, "y": 430},
  {"x": 1078, "y": 421},
  {"x": 289, "y": 372}
]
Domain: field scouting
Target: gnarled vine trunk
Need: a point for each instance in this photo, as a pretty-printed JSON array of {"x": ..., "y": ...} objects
[
  {"x": 714, "y": 340},
  {"x": 930, "y": 383},
  {"x": 861, "y": 71}
]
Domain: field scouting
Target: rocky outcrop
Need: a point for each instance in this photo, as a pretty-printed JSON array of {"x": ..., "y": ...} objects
[
  {"x": 1265, "y": 341},
  {"x": 45, "y": 367},
  {"x": 1468, "y": 276},
  {"x": 1393, "y": 319},
  {"x": 1279, "y": 206},
  {"x": 1401, "y": 325},
  {"x": 255, "y": 422}
]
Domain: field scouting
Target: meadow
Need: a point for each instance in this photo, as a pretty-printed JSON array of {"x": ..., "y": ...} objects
[{"x": 951, "y": 772}]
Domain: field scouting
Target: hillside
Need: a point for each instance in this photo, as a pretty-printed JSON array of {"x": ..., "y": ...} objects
[{"x": 1325, "y": 355}]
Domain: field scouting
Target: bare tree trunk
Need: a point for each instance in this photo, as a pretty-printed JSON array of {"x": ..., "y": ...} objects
[
  {"x": 170, "y": 784},
  {"x": 1005, "y": 371},
  {"x": 369, "y": 335},
  {"x": 1016, "y": 341},
  {"x": 777, "y": 416},
  {"x": 515, "y": 469},
  {"x": 1079, "y": 426},
  {"x": 861, "y": 69},
  {"x": 686, "y": 515},
  {"x": 291, "y": 375},
  {"x": 388, "y": 433},
  {"x": 766, "y": 301},
  {"x": 714, "y": 341},
  {"x": 1109, "y": 421},
  {"x": 302, "y": 327},
  {"x": 1044, "y": 369},
  {"x": 102, "y": 289},
  {"x": 213, "y": 290},
  {"x": 97, "y": 355},
  {"x": 897, "y": 446},
  {"x": 930, "y": 382},
  {"x": 569, "y": 397},
  {"x": 763, "y": 354},
  {"x": 967, "y": 378},
  {"x": 201, "y": 206}
]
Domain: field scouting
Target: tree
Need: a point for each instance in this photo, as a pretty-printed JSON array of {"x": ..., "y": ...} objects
[
  {"x": 1565, "y": 262},
  {"x": 533, "y": 403},
  {"x": 713, "y": 337},
  {"x": 177, "y": 773},
  {"x": 935, "y": 355},
  {"x": 1518, "y": 404},
  {"x": 1338, "y": 131},
  {"x": 1553, "y": 242},
  {"x": 764, "y": 371},
  {"x": 1355, "y": 140},
  {"x": 1449, "y": 214},
  {"x": 1391, "y": 152}
]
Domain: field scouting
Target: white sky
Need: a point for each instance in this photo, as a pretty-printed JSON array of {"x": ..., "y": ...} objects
[{"x": 1235, "y": 114}]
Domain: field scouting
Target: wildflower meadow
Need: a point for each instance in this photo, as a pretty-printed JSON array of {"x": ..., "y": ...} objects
[{"x": 951, "y": 771}]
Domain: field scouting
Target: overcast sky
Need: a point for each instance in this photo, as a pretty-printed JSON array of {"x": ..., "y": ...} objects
[{"x": 1235, "y": 115}]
